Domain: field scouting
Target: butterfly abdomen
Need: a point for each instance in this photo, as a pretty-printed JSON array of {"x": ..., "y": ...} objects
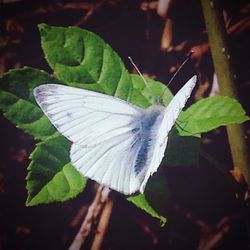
[{"x": 148, "y": 124}]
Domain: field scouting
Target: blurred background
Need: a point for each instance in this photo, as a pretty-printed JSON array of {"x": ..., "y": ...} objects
[{"x": 203, "y": 210}]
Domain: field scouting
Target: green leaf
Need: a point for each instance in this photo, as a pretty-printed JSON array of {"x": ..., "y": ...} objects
[
  {"x": 181, "y": 150},
  {"x": 141, "y": 202},
  {"x": 60, "y": 58},
  {"x": 210, "y": 113},
  {"x": 79, "y": 58},
  {"x": 157, "y": 192},
  {"x": 155, "y": 200},
  {"x": 82, "y": 59},
  {"x": 145, "y": 95},
  {"x": 51, "y": 176},
  {"x": 18, "y": 104}
]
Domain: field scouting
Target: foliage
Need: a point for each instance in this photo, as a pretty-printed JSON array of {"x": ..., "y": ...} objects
[{"x": 81, "y": 59}]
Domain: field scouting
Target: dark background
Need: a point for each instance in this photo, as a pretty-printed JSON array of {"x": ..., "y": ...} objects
[{"x": 202, "y": 203}]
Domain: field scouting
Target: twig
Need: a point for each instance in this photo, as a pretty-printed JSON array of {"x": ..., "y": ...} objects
[
  {"x": 162, "y": 8},
  {"x": 90, "y": 12},
  {"x": 79, "y": 215},
  {"x": 240, "y": 26},
  {"x": 167, "y": 36},
  {"x": 51, "y": 8},
  {"x": 210, "y": 237},
  {"x": 103, "y": 224},
  {"x": 90, "y": 219}
]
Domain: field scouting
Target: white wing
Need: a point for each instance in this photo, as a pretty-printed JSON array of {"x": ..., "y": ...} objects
[
  {"x": 105, "y": 132},
  {"x": 170, "y": 115},
  {"x": 114, "y": 143}
]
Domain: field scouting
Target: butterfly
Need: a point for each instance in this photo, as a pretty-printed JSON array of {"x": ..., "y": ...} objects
[{"x": 115, "y": 143}]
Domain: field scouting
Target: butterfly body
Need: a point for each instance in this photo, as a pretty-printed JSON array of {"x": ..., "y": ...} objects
[
  {"x": 148, "y": 127},
  {"x": 113, "y": 142}
]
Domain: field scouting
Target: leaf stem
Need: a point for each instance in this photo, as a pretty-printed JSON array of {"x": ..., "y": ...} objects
[{"x": 218, "y": 41}]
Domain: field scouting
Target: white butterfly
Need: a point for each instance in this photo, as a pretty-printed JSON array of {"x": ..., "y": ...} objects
[{"x": 114, "y": 142}]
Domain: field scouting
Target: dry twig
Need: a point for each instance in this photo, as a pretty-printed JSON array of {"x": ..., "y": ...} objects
[
  {"x": 102, "y": 226},
  {"x": 90, "y": 12},
  {"x": 91, "y": 217}
]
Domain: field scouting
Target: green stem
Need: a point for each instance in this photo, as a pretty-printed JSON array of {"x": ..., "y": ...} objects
[{"x": 227, "y": 80}]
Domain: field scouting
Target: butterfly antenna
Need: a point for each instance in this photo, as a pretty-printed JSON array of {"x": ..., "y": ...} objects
[
  {"x": 177, "y": 71},
  {"x": 144, "y": 80}
]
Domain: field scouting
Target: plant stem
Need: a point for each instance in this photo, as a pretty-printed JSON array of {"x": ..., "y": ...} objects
[{"x": 218, "y": 41}]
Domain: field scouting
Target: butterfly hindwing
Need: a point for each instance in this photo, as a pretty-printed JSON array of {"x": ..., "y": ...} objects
[{"x": 109, "y": 163}]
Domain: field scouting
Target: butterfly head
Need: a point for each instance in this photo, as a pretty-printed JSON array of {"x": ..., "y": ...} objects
[{"x": 158, "y": 101}]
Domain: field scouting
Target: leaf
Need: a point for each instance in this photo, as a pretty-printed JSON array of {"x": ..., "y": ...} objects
[
  {"x": 144, "y": 96},
  {"x": 141, "y": 202},
  {"x": 155, "y": 199},
  {"x": 82, "y": 59},
  {"x": 157, "y": 196},
  {"x": 60, "y": 58},
  {"x": 51, "y": 176},
  {"x": 210, "y": 113},
  {"x": 18, "y": 104},
  {"x": 182, "y": 150}
]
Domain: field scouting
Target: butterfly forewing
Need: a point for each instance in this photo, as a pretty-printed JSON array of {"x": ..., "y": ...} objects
[
  {"x": 85, "y": 117},
  {"x": 170, "y": 115}
]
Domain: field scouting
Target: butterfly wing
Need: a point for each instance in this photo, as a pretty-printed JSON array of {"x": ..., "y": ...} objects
[
  {"x": 105, "y": 132},
  {"x": 170, "y": 115},
  {"x": 114, "y": 143}
]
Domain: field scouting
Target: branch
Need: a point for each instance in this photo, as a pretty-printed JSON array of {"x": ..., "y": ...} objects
[
  {"x": 51, "y": 8},
  {"x": 90, "y": 12},
  {"x": 102, "y": 226},
  {"x": 91, "y": 216},
  {"x": 210, "y": 238},
  {"x": 218, "y": 41}
]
